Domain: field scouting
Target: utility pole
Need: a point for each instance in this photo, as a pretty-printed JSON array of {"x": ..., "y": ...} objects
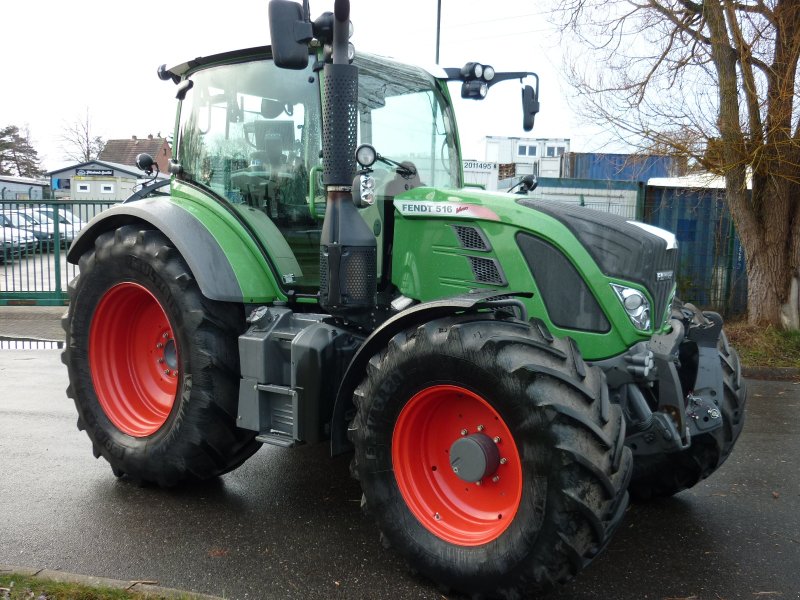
[{"x": 438, "y": 26}]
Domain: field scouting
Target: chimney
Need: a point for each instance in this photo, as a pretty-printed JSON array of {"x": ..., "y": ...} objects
[
  {"x": 149, "y": 136},
  {"x": 133, "y": 137}
]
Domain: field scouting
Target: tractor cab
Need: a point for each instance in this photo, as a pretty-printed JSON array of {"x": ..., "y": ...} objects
[{"x": 251, "y": 134}]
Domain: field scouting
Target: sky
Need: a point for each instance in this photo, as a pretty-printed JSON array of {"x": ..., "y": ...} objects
[{"x": 64, "y": 58}]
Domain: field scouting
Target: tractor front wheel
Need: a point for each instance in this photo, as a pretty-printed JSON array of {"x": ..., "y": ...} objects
[
  {"x": 489, "y": 454},
  {"x": 153, "y": 364}
]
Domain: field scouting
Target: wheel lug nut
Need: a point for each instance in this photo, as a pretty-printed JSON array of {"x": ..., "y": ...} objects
[
  {"x": 165, "y": 336},
  {"x": 481, "y": 427},
  {"x": 159, "y": 345},
  {"x": 464, "y": 432},
  {"x": 175, "y": 373},
  {"x": 503, "y": 461},
  {"x": 166, "y": 371},
  {"x": 477, "y": 482},
  {"x": 496, "y": 478},
  {"x": 496, "y": 439},
  {"x": 160, "y": 360},
  {"x": 437, "y": 516}
]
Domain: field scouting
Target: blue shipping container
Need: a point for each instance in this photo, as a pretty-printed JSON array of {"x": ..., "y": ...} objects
[{"x": 619, "y": 167}]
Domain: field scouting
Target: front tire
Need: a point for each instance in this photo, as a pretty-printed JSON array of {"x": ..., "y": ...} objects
[
  {"x": 153, "y": 364},
  {"x": 543, "y": 507}
]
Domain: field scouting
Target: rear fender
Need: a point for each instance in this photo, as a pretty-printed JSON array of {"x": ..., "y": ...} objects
[{"x": 224, "y": 259}]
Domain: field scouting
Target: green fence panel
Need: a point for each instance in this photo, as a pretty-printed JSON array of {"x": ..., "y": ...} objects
[{"x": 35, "y": 237}]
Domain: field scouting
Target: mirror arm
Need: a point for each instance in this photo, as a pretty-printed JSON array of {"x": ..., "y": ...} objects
[{"x": 515, "y": 75}]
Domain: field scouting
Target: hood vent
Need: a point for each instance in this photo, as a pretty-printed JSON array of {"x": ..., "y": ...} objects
[{"x": 472, "y": 238}]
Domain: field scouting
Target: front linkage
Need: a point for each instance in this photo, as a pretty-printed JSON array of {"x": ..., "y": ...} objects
[{"x": 683, "y": 400}]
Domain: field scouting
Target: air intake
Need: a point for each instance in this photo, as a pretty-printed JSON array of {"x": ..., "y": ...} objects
[
  {"x": 487, "y": 270},
  {"x": 472, "y": 238}
]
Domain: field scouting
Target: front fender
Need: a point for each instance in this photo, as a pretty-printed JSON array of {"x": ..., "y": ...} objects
[
  {"x": 224, "y": 259},
  {"x": 411, "y": 317}
]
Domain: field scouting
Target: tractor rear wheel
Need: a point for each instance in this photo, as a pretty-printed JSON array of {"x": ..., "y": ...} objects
[
  {"x": 153, "y": 364},
  {"x": 489, "y": 454},
  {"x": 663, "y": 475}
]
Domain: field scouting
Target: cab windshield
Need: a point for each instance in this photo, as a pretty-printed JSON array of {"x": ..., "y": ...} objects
[{"x": 252, "y": 134}]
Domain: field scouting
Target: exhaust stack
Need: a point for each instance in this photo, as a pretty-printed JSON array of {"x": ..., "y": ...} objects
[{"x": 348, "y": 250}]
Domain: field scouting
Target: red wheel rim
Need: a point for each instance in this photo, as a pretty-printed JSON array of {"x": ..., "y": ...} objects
[
  {"x": 133, "y": 356},
  {"x": 452, "y": 509}
]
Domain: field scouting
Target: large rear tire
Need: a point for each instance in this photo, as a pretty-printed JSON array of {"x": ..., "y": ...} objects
[
  {"x": 153, "y": 364},
  {"x": 663, "y": 475},
  {"x": 545, "y": 504}
]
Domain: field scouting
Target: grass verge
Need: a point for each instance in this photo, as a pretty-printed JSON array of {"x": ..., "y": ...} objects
[
  {"x": 14, "y": 586},
  {"x": 764, "y": 347}
]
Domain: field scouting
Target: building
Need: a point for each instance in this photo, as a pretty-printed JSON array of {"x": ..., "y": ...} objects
[
  {"x": 95, "y": 180},
  {"x": 531, "y": 156},
  {"x": 23, "y": 188},
  {"x": 124, "y": 152}
]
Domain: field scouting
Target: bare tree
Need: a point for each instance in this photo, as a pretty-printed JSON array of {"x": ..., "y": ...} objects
[
  {"x": 79, "y": 142},
  {"x": 716, "y": 81}
]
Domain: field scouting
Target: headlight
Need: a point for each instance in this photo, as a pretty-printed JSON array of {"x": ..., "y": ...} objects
[
  {"x": 635, "y": 304},
  {"x": 668, "y": 311}
]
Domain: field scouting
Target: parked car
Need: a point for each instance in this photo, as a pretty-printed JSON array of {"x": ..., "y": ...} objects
[
  {"x": 68, "y": 224},
  {"x": 15, "y": 242},
  {"x": 44, "y": 232}
]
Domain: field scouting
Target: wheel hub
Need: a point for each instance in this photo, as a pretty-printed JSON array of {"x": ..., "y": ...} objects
[
  {"x": 169, "y": 354},
  {"x": 474, "y": 457}
]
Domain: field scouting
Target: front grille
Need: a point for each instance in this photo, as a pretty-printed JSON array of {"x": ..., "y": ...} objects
[{"x": 661, "y": 290}]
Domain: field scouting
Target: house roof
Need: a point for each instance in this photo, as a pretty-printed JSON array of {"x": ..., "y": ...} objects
[
  {"x": 103, "y": 163},
  {"x": 694, "y": 181},
  {"x": 24, "y": 180},
  {"x": 125, "y": 151}
]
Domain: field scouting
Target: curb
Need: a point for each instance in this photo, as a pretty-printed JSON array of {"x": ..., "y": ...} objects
[
  {"x": 772, "y": 373},
  {"x": 147, "y": 588}
]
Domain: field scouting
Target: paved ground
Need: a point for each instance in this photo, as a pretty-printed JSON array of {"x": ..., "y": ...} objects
[
  {"x": 26, "y": 323},
  {"x": 287, "y": 524}
]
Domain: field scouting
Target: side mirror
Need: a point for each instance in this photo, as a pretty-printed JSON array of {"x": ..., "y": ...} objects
[
  {"x": 145, "y": 163},
  {"x": 525, "y": 185},
  {"x": 529, "y": 183},
  {"x": 530, "y": 106},
  {"x": 290, "y": 32}
]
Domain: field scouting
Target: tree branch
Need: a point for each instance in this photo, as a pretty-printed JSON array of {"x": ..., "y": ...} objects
[{"x": 750, "y": 89}]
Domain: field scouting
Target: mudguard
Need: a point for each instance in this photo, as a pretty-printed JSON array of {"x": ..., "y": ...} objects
[
  {"x": 220, "y": 252},
  {"x": 421, "y": 313}
]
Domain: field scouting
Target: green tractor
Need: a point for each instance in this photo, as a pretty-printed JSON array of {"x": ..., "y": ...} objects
[{"x": 505, "y": 371}]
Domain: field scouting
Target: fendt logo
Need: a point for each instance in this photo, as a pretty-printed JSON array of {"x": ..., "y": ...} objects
[{"x": 664, "y": 275}]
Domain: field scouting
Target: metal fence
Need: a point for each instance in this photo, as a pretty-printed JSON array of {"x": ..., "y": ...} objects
[
  {"x": 711, "y": 265},
  {"x": 35, "y": 237},
  {"x": 25, "y": 344},
  {"x": 36, "y": 234}
]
